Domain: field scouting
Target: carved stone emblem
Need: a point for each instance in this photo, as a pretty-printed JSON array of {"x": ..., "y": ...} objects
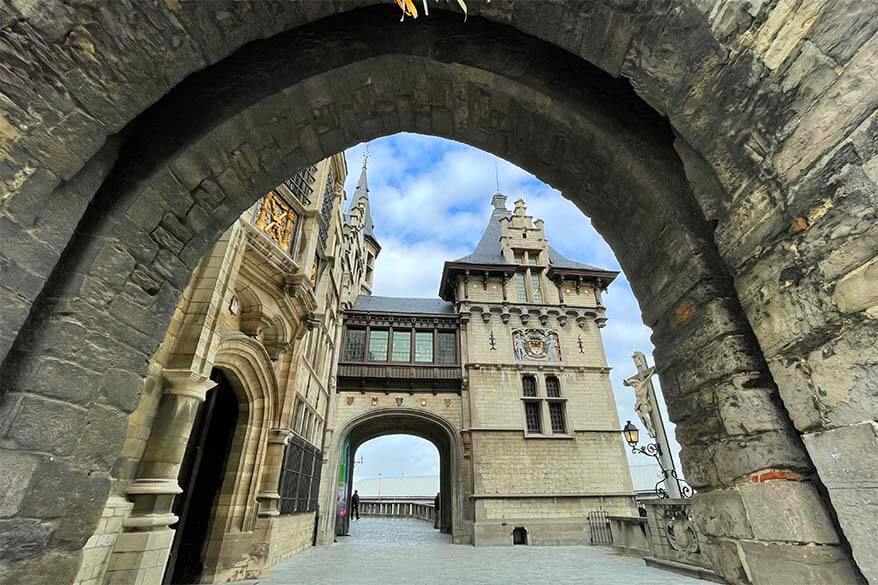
[
  {"x": 349, "y": 400},
  {"x": 536, "y": 345},
  {"x": 374, "y": 401},
  {"x": 399, "y": 401},
  {"x": 234, "y": 306},
  {"x": 447, "y": 402},
  {"x": 424, "y": 402}
]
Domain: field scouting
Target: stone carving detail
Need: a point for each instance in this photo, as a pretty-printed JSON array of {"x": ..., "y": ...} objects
[
  {"x": 349, "y": 400},
  {"x": 277, "y": 220},
  {"x": 424, "y": 402},
  {"x": 399, "y": 401},
  {"x": 374, "y": 401},
  {"x": 536, "y": 345},
  {"x": 679, "y": 530}
]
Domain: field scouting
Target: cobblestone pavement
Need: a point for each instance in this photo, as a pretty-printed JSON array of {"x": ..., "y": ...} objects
[{"x": 391, "y": 551}]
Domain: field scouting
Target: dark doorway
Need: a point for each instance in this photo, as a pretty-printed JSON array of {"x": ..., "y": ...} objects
[
  {"x": 519, "y": 535},
  {"x": 201, "y": 477}
]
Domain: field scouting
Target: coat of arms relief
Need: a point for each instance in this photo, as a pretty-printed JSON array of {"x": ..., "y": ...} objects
[{"x": 536, "y": 345}]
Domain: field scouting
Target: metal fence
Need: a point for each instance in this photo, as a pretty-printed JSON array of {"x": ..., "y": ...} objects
[{"x": 599, "y": 527}]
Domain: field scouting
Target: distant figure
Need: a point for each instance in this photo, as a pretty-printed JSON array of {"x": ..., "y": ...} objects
[
  {"x": 355, "y": 505},
  {"x": 436, "y": 510}
]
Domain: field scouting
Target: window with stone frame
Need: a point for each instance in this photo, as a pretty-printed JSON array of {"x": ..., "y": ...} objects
[
  {"x": 355, "y": 345},
  {"x": 529, "y": 386},
  {"x": 556, "y": 417},
  {"x": 553, "y": 387},
  {"x": 299, "y": 481},
  {"x": 532, "y": 416},
  {"x": 536, "y": 289},
  {"x": 326, "y": 207},
  {"x": 520, "y": 288},
  {"x": 301, "y": 184}
]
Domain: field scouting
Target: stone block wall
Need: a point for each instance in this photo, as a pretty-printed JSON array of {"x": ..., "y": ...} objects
[
  {"x": 97, "y": 550},
  {"x": 290, "y": 534}
]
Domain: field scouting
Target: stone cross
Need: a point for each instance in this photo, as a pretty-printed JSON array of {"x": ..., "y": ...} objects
[{"x": 654, "y": 415}]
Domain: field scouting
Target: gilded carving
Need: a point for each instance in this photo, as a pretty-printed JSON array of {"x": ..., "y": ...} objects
[{"x": 277, "y": 220}]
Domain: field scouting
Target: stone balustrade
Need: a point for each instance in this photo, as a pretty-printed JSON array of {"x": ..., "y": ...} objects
[{"x": 421, "y": 509}]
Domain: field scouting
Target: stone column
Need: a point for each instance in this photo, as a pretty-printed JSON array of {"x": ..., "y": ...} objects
[
  {"x": 142, "y": 550},
  {"x": 269, "y": 497}
]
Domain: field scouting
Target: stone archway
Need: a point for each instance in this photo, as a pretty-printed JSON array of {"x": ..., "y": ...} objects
[
  {"x": 443, "y": 433},
  {"x": 721, "y": 236}
]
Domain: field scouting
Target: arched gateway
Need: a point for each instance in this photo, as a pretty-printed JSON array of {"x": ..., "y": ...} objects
[{"x": 724, "y": 150}]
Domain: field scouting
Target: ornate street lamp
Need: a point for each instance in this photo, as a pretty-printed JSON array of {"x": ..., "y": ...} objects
[{"x": 632, "y": 437}]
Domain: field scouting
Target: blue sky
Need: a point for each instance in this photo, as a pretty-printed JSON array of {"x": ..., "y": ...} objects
[{"x": 431, "y": 199}]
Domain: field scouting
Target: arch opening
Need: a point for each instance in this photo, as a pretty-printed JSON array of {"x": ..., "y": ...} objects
[{"x": 214, "y": 169}]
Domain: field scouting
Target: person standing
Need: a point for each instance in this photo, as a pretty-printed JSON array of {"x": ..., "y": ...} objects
[
  {"x": 355, "y": 505},
  {"x": 436, "y": 510}
]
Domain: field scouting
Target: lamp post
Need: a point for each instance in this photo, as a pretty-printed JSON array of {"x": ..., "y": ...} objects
[{"x": 632, "y": 437}]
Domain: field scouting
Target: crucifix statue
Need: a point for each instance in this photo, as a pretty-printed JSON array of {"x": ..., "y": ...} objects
[
  {"x": 647, "y": 409},
  {"x": 642, "y": 399}
]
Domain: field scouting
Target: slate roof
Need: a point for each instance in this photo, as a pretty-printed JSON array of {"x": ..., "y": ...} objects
[
  {"x": 488, "y": 249},
  {"x": 375, "y": 304}
]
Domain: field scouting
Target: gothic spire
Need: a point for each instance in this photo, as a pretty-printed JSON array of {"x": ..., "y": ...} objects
[{"x": 360, "y": 191}]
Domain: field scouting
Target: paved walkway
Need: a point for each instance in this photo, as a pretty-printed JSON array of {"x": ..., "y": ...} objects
[{"x": 391, "y": 551}]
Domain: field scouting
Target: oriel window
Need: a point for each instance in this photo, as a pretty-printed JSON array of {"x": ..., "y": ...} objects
[
  {"x": 378, "y": 345},
  {"x": 402, "y": 346},
  {"x": 446, "y": 347},
  {"x": 424, "y": 346}
]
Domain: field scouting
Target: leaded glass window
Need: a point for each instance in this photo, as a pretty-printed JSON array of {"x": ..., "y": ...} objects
[
  {"x": 378, "y": 345},
  {"x": 424, "y": 346},
  {"x": 529, "y": 385},
  {"x": 537, "y": 291},
  {"x": 553, "y": 388},
  {"x": 326, "y": 209},
  {"x": 556, "y": 416},
  {"x": 447, "y": 348},
  {"x": 518, "y": 280},
  {"x": 532, "y": 416},
  {"x": 300, "y": 184},
  {"x": 355, "y": 344},
  {"x": 402, "y": 346}
]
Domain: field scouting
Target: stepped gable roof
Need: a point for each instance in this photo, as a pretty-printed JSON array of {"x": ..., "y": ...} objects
[
  {"x": 375, "y": 304},
  {"x": 488, "y": 249}
]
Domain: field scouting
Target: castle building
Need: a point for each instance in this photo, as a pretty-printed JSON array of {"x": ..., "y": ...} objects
[
  {"x": 506, "y": 373},
  {"x": 279, "y": 362}
]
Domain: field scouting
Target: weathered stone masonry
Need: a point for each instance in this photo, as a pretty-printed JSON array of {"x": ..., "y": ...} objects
[{"x": 773, "y": 109}]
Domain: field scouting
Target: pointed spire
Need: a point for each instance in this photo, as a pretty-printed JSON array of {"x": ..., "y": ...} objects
[{"x": 360, "y": 191}]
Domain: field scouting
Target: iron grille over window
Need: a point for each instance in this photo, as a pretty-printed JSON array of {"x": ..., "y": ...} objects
[
  {"x": 529, "y": 384},
  {"x": 326, "y": 209},
  {"x": 553, "y": 388},
  {"x": 300, "y": 184},
  {"x": 556, "y": 415},
  {"x": 300, "y": 477},
  {"x": 355, "y": 344},
  {"x": 446, "y": 347},
  {"x": 532, "y": 416}
]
